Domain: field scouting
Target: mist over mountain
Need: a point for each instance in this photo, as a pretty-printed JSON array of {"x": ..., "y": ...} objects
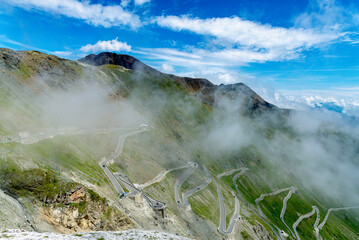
[{"x": 193, "y": 158}]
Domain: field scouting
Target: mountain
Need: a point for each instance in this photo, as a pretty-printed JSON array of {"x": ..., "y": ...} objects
[
  {"x": 197, "y": 86},
  {"x": 107, "y": 143},
  {"x": 123, "y": 60}
]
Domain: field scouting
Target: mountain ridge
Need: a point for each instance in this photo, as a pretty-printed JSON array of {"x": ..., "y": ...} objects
[
  {"x": 197, "y": 86},
  {"x": 28, "y": 63}
]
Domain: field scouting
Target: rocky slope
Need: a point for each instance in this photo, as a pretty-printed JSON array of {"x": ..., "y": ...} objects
[{"x": 64, "y": 205}]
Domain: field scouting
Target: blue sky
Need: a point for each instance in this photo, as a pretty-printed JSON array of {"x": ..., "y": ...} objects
[{"x": 301, "y": 51}]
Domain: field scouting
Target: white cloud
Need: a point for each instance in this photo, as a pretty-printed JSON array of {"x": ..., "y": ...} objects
[
  {"x": 325, "y": 14},
  {"x": 249, "y": 34},
  {"x": 349, "y": 89},
  {"x": 124, "y": 3},
  {"x": 196, "y": 57},
  {"x": 94, "y": 14},
  {"x": 140, "y": 2},
  {"x": 345, "y": 98},
  {"x": 167, "y": 68},
  {"x": 237, "y": 42},
  {"x": 218, "y": 75},
  {"x": 233, "y": 41},
  {"x": 62, "y": 53},
  {"x": 110, "y": 45}
]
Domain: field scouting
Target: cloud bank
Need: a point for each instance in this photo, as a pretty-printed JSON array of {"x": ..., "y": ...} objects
[
  {"x": 93, "y": 14},
  {"x": 318, "y": 149},
  {"x": 236, "y": 42},
  {"x": 248, "y": 33},
  {"x": 110, "y": 45}
]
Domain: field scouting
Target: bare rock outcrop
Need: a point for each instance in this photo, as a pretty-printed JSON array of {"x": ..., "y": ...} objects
[{"x": 82, "y": 210}]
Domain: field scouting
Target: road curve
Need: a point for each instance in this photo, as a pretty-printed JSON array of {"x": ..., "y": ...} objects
[
  {"x": 316, "y": 223},
  {"x": 159, "y": 177},
  {"x": 284, "y": 208},
  {"x": 128, "y": 184},
  {"x": 104, "y": 162},
  {"x": 235, "y": 217},
  {"x": 123, "y": 178},
  {"x": 115, "y": 183},
  {"x": 179, "y": 182},
  {"x": 332, "y": 210},
  {"x": 222, "y": 211},
  {"x": 183, "y": 200},
  {"x": 230, "y": 172},
  {"x": 196, "y": 189},
  {"x": 278, "y": 233},
  {"x": 263, "y": 218},
  {"x": 235, "y": 178},
  {"x": 262, "y": 196},
  {"x": 30, "y": 138},
  {"x": 155, "y": 204},
  {"x": 296, "y": 223}
]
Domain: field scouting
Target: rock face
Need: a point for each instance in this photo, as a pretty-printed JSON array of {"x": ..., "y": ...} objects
[
  {"x": 81, "y": 210},
  {"x": 60, "y": 203}
]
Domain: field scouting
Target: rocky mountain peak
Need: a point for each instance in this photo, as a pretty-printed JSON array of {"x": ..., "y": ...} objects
[
  {"x": 202, "y": 87},
  {"x": 123, "y": 60}
]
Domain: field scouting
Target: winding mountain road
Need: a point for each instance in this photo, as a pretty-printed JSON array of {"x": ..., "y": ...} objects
[
  {"x": 284, "y": 208},
  {"x": 262, "y": 217},
  {"x": 317, "y": 220},
  {"x": 104, "y": 162},
  {"x": 124, "y": 178},
  {"x": 296, "y": 223},
  {"x": 230, "y": 172},
  {"x": 30, "y": 138},
  {"x": 196, "y": 189},
  {"x": 332, "y": 210},
  {"x": 222, "y": 220},
  {"x": 235, "y": 217},
  {"x": 280, "y": 233},
  {"x": 238, "y": 175},
  {"x": 128, "y": 184},
  {"x": 179, "y": 182},
  {"x": 316, "y": 223},
  {"x": 118, "y": 180},
  {"x": 159, "y": 177},
  {"x": 262, "y": 196}
]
